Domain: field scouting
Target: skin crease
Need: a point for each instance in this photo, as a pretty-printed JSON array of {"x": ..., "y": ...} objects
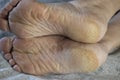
[
  {"x": 55, "y": 54},
  {"x": 79, "y": 13}
]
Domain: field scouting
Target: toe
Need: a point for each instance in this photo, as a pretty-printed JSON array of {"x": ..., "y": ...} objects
[
  {"x": 5, "y": 11},
  {"x": 8, "y": 56},
  {"x": 17, "y": 68},
  {"x": 14, "y": 2},
  {"x": 4, "y": 24},
  {"x": 12, "y": 62},
  {"x": 4, "y": 14},
  {"x": 6, "y": 44}
]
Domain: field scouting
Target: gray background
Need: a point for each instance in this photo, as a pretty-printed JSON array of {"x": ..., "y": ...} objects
[{"x": 109, "y": 71}]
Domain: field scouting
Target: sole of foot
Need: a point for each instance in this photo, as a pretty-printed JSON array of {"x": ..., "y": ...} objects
[
  {"x": 53, "y": 54},
  {"x": 34, "y": 19},
  {"x": 57, "y": 54},
  {"x": 40, "y": 56}
]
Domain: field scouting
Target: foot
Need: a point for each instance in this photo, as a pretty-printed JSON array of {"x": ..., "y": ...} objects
[
  {"x": 72, "y": 19},
  {"x": 53, "y": 54},
  {"x": 45, "y": 55},
  {"x": 23, "y": 52}
]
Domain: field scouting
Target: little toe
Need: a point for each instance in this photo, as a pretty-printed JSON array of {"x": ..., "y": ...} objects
[{"x": 17, "y": 68}]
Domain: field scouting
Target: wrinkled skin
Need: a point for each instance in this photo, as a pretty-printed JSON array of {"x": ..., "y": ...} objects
[{"x": 55, "y": 37}]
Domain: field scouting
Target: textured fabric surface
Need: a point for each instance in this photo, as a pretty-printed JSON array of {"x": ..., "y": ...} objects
[{"x": 109, "y": 71}]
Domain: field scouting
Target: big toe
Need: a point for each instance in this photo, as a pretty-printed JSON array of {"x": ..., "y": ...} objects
[{"x": 6, "y": 44}]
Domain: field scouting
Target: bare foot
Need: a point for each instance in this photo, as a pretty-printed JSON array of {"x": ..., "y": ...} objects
[
  {"x": 53, "y": 54},
  {"x": 40, "y": 56},
  {"x": 83, "y": 21}
]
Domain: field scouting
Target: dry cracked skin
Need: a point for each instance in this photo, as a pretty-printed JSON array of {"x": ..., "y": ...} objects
[{"x": 69, "y": 37}]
